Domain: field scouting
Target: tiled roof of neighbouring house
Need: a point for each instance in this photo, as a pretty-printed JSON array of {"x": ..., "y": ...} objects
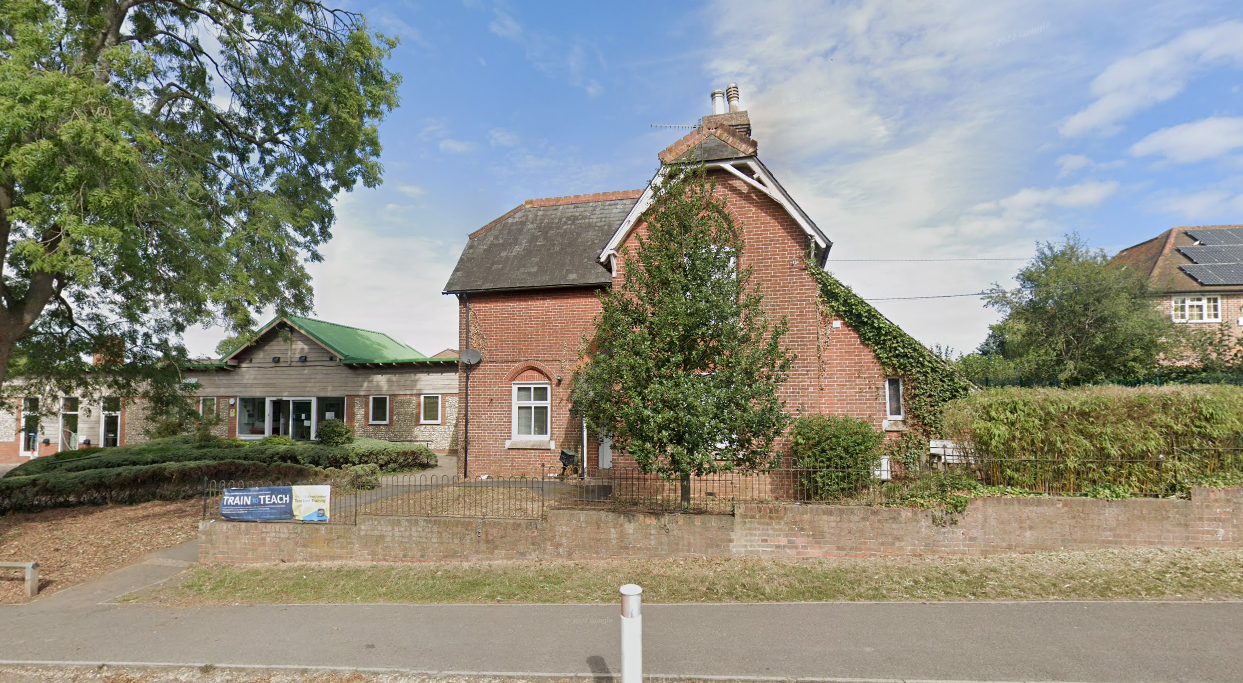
[
  {"x": 543, "y": 243},
  {"x": 1189, "y": 259}
]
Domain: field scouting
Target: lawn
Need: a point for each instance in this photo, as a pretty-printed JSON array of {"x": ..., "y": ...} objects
[
  {"x": 78, "y": 544},
  {"x": 1092, "y": 575}
]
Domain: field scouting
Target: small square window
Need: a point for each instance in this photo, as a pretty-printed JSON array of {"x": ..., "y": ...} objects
[
  {"x": 379, "y": 410},
  {"x": 429, "y": 409},
  {"x": 893, "y": 398}
]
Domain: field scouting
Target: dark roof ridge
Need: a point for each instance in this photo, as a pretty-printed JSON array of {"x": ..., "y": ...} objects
[
  {"x": 583, "y": 198},
  {"x": 497, "y": 222}
]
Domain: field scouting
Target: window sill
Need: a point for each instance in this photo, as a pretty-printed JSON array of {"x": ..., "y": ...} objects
[
  {"x": 430, "y": 422},
  {"x": 894, "y": 425},
  {"x": 542, "y": 444},
  {"x": 378, "y": 424},
  {"x": 1197, "y": 322}
]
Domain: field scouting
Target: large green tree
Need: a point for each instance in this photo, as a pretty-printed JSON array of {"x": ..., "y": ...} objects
[
  {"x": 167, "y": 163},
  {"x": 1075, "y": 317},
  {"x": 683, "y": 368}
]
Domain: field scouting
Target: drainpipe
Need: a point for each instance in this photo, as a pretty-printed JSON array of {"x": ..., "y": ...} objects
[
  {"x": 583, "y": 470},
  {"x": 466, "y": 398}
]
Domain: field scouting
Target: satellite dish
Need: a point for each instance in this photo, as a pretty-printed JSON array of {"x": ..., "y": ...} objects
[{"x": 471, "y": 357}]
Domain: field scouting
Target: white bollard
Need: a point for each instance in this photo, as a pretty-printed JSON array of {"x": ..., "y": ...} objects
[{"x": 631, "y": 634}]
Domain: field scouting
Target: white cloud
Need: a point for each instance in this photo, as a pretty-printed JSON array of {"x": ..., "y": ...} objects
[
  {"x": 1135, "y": 83},
  {"x": 499, "y": 137},
  {"x": 456, "y": 146},
  {"x": 1206, "y": 205},
  {"x": 1195, "y": 141},
  {"x": 571, "y": 60},
  {"x": 907, "y": 130},
  {"x": 411, "y": 190},
  {"x": 1069, "y": 163}
]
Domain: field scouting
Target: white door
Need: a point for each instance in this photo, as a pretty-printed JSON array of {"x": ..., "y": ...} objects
[{"x": 606, "y": 453}]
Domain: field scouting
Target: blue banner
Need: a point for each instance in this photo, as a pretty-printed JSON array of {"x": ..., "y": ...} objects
[
  {"x": 275, "y": 503},
  {"x": 259, "y": 504}
]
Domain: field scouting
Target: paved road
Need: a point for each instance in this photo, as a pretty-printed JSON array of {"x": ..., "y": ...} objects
[{"x": 945, "y": 641}]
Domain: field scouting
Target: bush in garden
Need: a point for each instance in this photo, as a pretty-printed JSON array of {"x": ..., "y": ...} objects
[
  {"x": 837, "y": 453},
  {"x": 333, "y": 433},
  {"x": 1144, "y": 440},
  {"x": 364, "y": 477}
]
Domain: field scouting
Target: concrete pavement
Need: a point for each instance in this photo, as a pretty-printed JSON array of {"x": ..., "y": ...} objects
[{"x": 1084, "y": 641}]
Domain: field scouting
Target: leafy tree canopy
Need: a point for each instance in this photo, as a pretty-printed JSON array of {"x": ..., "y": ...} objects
[
  {"x": 1075, "y": 318},
  {"x": 684, "y": 365},
  {"x": 166, "y": 163}
]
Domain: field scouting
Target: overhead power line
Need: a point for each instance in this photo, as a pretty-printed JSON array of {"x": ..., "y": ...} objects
[
  {"x": 912, "y": 260},
  {"x": 937, "y": 296}
]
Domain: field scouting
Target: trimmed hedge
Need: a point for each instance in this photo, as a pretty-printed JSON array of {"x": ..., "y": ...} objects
[
  {"x": 136, "y": 483},
  {"x": 1150, "y": 440},
  {"x": 175, "y": 467},
  {"x": 838, "y": 453}
]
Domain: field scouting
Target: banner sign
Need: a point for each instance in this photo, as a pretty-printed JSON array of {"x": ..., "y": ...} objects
[{"x": 273, "y": 503}]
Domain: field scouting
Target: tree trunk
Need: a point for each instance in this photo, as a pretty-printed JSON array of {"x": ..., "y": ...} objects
[{"x": 686, "y": 493}]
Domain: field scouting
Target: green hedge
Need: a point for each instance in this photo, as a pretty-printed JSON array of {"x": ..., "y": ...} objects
[
  {"x": 838, "y": 453},
  {"x": 1072, "y": 440},
  {"x": 136, "y": 483},
  {"x": 390, "y": 457}
]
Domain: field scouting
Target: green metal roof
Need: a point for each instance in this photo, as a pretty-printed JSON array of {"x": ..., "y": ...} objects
[{"x": 351, "y": 344}]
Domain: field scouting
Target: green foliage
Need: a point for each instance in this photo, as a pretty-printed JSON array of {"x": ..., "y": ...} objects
[
  {"x": 334, "y": 433},
  {"x": 364, "y": 477},
  {"x": 136, "y": 483},
  {"x": 929, "y": 381},
  {"x": 169, "y": 163},
  {"x": 1075, "y": 318},
  {"x": 1071, "y": 440},
  {"x": 908, "y": 450},
  {"x": 684, "y": 367},
  {"x": 839, "y": 454},
  {"x": 388, "y": 456}
]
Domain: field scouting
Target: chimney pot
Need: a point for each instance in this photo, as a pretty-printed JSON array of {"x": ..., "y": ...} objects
[
  {"x": 731, "y": 92},
  {"x": 718, "y": 101}
]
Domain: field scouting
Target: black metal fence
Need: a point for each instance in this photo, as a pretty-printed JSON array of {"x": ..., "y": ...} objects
[{"x": 950, "y": 480}]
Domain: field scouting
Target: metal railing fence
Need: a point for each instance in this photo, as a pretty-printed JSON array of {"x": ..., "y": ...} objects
[{"x": 923, "y": 485}]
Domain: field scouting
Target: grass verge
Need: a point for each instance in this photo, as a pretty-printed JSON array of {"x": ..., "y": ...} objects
[{"x": 1091, "y": 575}]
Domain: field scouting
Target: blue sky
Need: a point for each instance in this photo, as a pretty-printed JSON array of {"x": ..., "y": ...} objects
[{"x": 907, "y": 130}]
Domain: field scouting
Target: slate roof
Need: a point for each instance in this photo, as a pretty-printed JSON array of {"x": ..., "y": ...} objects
[
  {"x": 351, "y": 344},
  {"x": 543, "y": 243},
  {"x": 1190, "y": 259}
]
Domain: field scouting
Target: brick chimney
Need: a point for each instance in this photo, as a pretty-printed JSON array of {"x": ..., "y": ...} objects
[{"x": 736, "y": 118}]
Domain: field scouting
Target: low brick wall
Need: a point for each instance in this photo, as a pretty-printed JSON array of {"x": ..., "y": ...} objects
[{"x": 1213, "y": 518}]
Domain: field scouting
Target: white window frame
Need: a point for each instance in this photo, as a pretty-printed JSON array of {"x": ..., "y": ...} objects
[
  {"x": 215, "y": 405},
  {"x": 60, "y": 446},
  {"x": 515, "y": 404},
  {"x": 1187, "y": 302},
  {"x": 388, "y": 410},
  {"x": 104, "y": 414},
  {"x": 439, "y": 409},
  {"x": 890, "y": 414}
]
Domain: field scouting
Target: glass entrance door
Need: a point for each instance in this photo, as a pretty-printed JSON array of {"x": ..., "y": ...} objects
[{"x": 291, "y": 417}]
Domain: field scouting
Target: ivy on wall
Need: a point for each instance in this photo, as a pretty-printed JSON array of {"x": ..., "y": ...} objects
[{"x": 928, "y": 381}]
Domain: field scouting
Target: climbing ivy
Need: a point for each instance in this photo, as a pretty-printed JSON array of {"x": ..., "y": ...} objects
[{"x": 928, "y": 381}]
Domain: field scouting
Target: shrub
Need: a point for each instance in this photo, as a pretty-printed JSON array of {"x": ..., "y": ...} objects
[
  {"x": 390, "y": 456},
  {"x": 1143, "y": 440},
  {"x": 136, "y": 483},
  {"x": 839, "y": 452},
  {"x": 334, "y": 433},
  {"x": 364, "y": 477}
]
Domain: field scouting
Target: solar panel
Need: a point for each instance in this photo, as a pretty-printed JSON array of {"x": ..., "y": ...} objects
[
  {"x": 1216, "y": 273},
  {"x": 1228, "y": 253},
  {"x": 1216, "y": 236}
]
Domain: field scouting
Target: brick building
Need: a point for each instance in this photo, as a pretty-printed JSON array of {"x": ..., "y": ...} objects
[
  {"x": 1195, "y": 273},
  {"x": 294, "y": 373},
  {"x": 527, "y": 286}
]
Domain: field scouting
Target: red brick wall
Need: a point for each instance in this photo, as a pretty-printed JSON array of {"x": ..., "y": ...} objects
[
  {"x": 523, "y": 337},
  {"x": 1213, "y": 518},
  {"x": 834, "y": 372}
]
